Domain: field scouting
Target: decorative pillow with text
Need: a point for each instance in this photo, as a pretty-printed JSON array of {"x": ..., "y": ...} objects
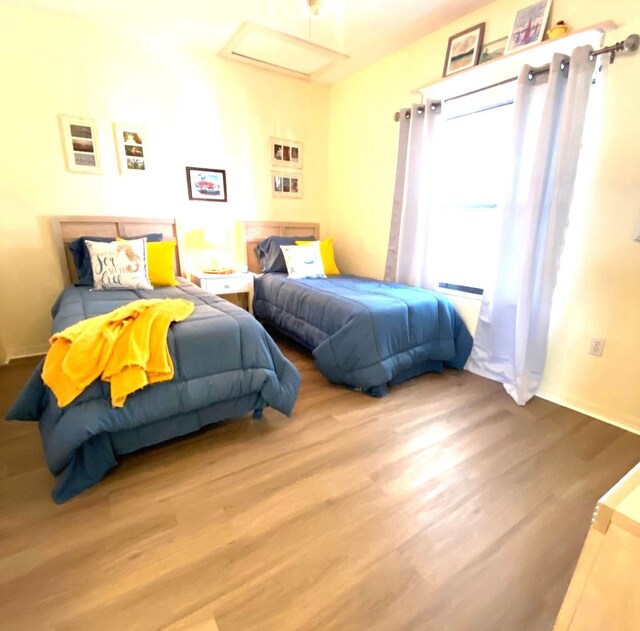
[{"x": 119, "y": 264}]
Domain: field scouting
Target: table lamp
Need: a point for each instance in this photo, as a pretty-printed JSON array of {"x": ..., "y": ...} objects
[{"x": 216, "y": 259}]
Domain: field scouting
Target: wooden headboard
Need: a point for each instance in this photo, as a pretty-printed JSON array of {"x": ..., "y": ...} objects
[
  {"x": 255, "y": 231},
  {"x": 71, "y": 227}
]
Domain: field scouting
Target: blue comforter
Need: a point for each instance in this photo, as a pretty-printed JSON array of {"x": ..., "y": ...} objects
[
  {"x": 225, "y": 365},
  {"x": 365, "y": 333}
]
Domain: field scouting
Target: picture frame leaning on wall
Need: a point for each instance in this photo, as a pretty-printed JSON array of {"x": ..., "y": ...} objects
[
  {"x": 463, "y": 50},
  {"x": 529, "y": 25}
]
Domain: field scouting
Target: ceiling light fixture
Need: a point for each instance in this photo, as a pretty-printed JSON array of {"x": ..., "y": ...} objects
[{"x": 280, "y": 52}]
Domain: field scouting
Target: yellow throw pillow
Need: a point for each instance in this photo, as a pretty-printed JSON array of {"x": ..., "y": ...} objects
[
  {"x": 326, "y": 253},
  {"x": 160, "y": 259}
]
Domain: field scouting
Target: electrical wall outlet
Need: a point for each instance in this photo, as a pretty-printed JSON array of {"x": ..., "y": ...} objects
[{"x": 597, "y": 346}]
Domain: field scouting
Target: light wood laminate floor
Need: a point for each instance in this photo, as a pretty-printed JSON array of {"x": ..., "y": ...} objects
[{"x": 443, "y": 506}]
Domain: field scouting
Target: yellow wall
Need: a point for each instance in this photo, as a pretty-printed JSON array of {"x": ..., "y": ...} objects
[
  {"x": 599, "y": 286},
  {"x": 198, "y": 110}
]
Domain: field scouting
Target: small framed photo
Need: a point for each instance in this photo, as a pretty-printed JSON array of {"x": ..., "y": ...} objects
[
  {"x": 285, "y": 154},
  {"x": 529, "y": 25},
  {"x": 493, "y": 50},
  {"x": 130, "y": 145},
  {"x": 463, "y": 50},
  {"x": 286, "y": 184},
  {"x": 81, "y": 146},
  {"x": 207, "y": 185}
]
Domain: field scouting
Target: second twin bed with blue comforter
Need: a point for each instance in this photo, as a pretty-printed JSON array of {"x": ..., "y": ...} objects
[{"x": 365, "y": 333}]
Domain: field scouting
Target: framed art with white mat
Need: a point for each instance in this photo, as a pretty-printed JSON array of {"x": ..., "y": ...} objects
[
  {"x": 81, "y": 145},
  {"x": 130, "y": 146}
]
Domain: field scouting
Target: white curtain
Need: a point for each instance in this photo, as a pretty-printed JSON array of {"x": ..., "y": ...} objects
[
  {"x": 511, "y": 338},
  {"x": 413, "y": 196}
]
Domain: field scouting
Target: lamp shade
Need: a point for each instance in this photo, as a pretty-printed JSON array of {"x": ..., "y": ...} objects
[{"x": 215, "y": 237}]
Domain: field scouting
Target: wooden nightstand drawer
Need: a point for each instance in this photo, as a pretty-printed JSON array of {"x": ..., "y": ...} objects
[{"x": 221, "y": 284}]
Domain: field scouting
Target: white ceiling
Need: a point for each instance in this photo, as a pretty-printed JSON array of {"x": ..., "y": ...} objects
[{"x": 365, "y": 30}]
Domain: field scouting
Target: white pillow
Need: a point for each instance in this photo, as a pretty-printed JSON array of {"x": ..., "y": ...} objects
[
  {"x": 304, "y": 261},
  {"x": 119, "y": 264}
]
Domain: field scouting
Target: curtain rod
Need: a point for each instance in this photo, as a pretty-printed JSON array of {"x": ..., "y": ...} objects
[{"x": 628, "y": 45}]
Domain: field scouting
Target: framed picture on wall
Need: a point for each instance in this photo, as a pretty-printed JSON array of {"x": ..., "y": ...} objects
[
  {"x": 207, "y": 185},
  {"x": 286, "y": 184},
  {"x": 285, "y": 154},
  {"x": 463, "y": 50},
  {"x": 529, "y": 25},
  {"x": 81, "y": 146},
  {"x": 130, "y": 146},
  {"x": 493, "y": 50}
]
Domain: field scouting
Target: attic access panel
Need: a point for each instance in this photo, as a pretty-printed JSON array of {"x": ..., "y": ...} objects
[{"x": 280, "y": 52}]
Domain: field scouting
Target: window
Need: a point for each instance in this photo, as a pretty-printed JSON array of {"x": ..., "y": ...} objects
[{"x": 473, "y": 144}]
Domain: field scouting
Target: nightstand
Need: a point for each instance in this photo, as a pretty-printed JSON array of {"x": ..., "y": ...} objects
[{"x": 221, "y": 284}]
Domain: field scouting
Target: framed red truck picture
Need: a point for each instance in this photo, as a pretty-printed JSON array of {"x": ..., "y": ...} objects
[{"x": 207, "y": 185}]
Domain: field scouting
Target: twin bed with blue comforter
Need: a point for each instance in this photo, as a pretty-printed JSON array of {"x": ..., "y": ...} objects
[
  {"x": 365, "y": 333},
  {"x": 225, "y": 363}
]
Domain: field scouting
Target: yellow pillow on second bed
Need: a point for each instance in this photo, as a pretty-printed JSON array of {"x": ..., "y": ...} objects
[{"x": 326, "y": 253}]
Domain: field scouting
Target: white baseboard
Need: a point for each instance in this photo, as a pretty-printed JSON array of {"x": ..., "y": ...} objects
[
  {"x": 28, "y": 351},
  {"x": 624, "y": 421}
]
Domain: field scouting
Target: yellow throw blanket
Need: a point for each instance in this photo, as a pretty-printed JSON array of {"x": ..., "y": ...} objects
[{"x": 127, "y": 347}]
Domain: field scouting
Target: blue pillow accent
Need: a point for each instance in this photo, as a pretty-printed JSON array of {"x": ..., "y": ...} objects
[
  {"x": 82, "y": 259},
  {"x": 270, "y": 255}
]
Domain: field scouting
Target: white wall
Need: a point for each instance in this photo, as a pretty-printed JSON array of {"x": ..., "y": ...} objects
[
  {"x": 198, "y": 111},
  {"x": 598, "y": 292}
]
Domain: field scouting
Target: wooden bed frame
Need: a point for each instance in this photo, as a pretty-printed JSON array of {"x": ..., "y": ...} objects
[
  {"x": 255, "y": 231},
  {"x": 70, "y": 227}
]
